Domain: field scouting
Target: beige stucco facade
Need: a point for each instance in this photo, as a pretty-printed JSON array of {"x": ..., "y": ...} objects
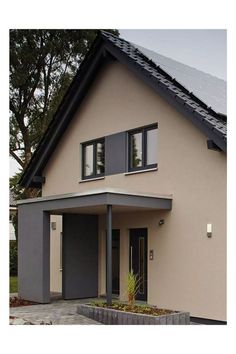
[
  {"x": 189, "y": 269},
  {"x": 55, "y": 253}
]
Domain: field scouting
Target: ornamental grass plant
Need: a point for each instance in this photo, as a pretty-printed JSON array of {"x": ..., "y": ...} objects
[{"x": 133, "y": 282}]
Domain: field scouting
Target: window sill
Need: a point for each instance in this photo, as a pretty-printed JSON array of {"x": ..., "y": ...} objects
[
  {"x": 91, "y": 179},
  {"x": 141, "y": 171}
]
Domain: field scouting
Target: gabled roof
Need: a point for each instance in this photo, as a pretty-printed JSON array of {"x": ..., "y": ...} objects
[
  {"x": 109, "y": 47},
  {"x": 208, "y": 88}
]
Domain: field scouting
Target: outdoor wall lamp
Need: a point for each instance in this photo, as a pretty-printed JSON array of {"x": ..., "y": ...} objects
[
  {"x": 161, "y": 222},
  {"x": 209, "y": 230},
  {"x": 53, "y": 225}
]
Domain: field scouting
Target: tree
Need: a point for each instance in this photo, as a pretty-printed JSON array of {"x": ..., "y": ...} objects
[
  {"x": 136, "y": 160},
  {"x": 42, "y": 65}
]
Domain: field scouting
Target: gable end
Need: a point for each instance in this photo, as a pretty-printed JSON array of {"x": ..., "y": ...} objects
[{"x": 108, "y": 47}]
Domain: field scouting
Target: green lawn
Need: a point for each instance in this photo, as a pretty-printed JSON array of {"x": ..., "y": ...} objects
[{"x": 13, "y": 284}]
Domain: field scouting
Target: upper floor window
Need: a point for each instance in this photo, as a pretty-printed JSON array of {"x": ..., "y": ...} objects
[
  {"x": 93, "y": 159},
  {"x": 143, "y": 148}
]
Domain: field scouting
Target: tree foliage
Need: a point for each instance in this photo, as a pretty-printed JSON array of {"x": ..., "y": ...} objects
[
  {"x": 42, "y": 65},
  {"x": 13, "y": 258}
]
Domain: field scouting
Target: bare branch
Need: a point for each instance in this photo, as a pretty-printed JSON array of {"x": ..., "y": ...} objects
[
  {"x": 12, "y": 108},
  {"x": 20, "y": 162}
]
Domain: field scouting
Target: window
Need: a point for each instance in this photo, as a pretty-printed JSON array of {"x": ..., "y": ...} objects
[
  {"x": 143, "y": 148},
  {"x": 93, "y": 159}
]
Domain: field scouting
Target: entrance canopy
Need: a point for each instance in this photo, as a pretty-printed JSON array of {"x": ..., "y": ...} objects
[
  {"x": 34, "y": 237},
  {"x": 95, "y": 199}
]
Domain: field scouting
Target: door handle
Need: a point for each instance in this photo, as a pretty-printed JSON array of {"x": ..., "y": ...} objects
[{"x": 131, "y": 258}]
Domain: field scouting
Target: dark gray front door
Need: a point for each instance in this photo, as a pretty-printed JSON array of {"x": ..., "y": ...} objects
[
  {"x": 138, "y": 259},
  {"x": 80, "y": 256}
]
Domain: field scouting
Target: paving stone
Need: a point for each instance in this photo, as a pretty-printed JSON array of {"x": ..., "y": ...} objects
[
  {"x": 157, "y": 320},
  {"x": 169, "y": 320},
  {"x": 105, "y": 317},
  {"x": 187, "y": 318},
  {"x": 124, "y": 319},
  {"x": 162, "y": 320},
  {"x": 115, "y": 318},
  {"x": 129, "y": 318},
  {"x": 146, "y": 319},
  {"x": 100, "y": 315},
  {"x": 58, "y": 312},
  {"x": 176, "y": 319},
  {"x": 109, "y": 318},
  {"x": 140, "y": 320},
  {"x": 135, "y": 319},
  {"x": 182, "y": 318},
  {"x": 66, "y": 312},
  {"x": 152, "y": 320},
  {"x": 120, "y": 318},
  {"x": 91, "y": 312},
  {"x": 96, "y": 314},
  {"x": 19, "y": 321}
]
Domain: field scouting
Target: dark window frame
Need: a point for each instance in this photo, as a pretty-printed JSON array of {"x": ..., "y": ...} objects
[
  {"x": 144, "y": 131},
  {"x": 94, "y": 144}
]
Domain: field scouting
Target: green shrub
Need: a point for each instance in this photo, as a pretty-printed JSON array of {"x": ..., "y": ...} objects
[
  {"x": 13, "y": 284},
  {"x": 13, "y": 258}
]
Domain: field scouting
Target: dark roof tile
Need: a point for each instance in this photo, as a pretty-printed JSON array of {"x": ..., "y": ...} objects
[
  {"x": 201, "y": 109},
  {"x": 155, "y": 74}
]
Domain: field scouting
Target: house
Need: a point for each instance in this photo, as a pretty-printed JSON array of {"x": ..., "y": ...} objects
[
  {"x": 12, "y": 213},
  {"x": 133, "y": 176}
]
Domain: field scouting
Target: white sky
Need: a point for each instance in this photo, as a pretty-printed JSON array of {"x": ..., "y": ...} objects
[{"x": 14, "y": 167}]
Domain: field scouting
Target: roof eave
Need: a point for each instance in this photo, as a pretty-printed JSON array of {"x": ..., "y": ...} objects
[
  {"x": 63, "y": 115},
  {"x": 77, "y": 91},
  {"x": 161, "y": 90}
]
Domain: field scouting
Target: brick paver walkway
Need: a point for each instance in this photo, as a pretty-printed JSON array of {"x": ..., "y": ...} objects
[{"x": 58, "y": 312}]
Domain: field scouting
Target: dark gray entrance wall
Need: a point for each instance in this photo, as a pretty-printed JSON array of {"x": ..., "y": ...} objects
[
  {"x": 33, "y": 253},
  {"x": 115, "y": 153},
  {"x": 80, "y": 256}
]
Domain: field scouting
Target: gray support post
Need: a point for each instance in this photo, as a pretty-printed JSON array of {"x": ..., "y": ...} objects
[
  {"x": 109, "y": 255},
  {"x": 33, "y": 253}
]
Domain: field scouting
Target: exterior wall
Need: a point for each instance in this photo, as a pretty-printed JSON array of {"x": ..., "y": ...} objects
[
  {"x": 189, "y": 269},
  {"x": 117, "y": 102},
  {"x": 186, "y": 272},
  {"x": 55, "y": 254}
]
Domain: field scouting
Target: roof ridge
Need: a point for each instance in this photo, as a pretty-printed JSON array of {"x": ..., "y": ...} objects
[
  {"x": 105, "y": 43},
  {"x": 163, "y": 72}
]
